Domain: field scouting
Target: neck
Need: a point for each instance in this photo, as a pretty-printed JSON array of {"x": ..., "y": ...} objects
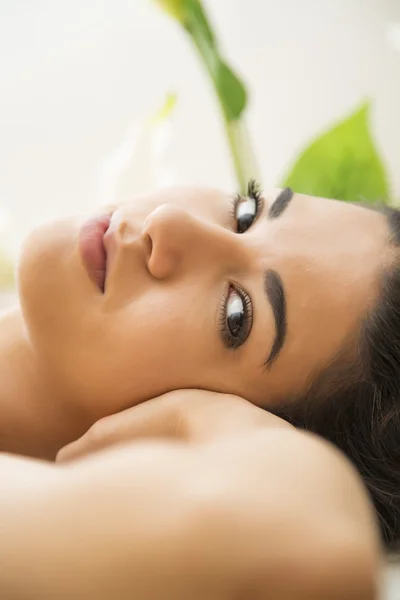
[{"x": 35, "y": 417}]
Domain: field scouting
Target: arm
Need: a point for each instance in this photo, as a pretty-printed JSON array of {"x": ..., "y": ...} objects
[{"x": 275, "y": 514}]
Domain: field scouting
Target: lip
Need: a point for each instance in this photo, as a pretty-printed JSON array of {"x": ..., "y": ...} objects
[{"x": 92, "y": 248}]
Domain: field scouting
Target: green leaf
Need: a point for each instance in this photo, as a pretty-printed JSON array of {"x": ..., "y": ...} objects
[
  {"x": 230, "y": 90},
  {"x": 196, "y": 21},
  {"x": 175, "y": 8},
  {"x": 343, "y": 163}
]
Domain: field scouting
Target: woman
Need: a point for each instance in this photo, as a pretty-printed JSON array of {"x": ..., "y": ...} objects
[{"x": 288, "y": 301}]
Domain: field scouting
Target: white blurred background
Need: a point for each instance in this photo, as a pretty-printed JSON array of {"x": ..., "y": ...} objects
[{"x": 76, "y": 75}]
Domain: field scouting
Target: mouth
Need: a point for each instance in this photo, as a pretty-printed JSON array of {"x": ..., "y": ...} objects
[{"x": 92, "y": 248}]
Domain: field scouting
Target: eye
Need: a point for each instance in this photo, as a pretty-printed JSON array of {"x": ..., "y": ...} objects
[
  {"x": 247, "y": 208},
  {"x": 236, "y": 317}
]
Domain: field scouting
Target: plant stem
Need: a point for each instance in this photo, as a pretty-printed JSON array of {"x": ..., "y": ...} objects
[{"x": 243, "y": 158}]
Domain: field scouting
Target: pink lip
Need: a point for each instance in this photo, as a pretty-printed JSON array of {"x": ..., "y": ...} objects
[{"x": 92, "y": 249}]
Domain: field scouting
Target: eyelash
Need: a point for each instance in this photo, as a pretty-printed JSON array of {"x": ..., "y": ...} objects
[
  {"x": 253, "y": 192},
  {"x": 231, "y": 342}
]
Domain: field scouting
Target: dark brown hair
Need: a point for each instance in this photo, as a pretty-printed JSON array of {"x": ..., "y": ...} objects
[{"x": 355, "y": 402}]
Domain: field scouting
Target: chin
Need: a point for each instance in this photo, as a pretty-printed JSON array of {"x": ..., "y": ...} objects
[
  {"x": 51, "y": 282},
  {"x": 46, "y": 256}
]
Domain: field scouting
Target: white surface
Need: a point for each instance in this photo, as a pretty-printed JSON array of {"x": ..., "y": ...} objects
[
  {"x": 391, "y": 584},
  {"x": 75, "y": 74}
]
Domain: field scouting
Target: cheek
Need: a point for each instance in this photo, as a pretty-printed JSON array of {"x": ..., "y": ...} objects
[
  {"x": 154, "y": 345},
  {"x": 48, "y": 270},
  {"x": 164, "y": 326},
  {"x": 165, "y": 339}
]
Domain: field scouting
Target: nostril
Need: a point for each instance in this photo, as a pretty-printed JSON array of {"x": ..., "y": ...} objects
[
  {"x": 164, "y": 236},
  {"x": 148, "y": 245}
]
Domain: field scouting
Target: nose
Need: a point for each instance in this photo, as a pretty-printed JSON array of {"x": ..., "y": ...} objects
[{"x": 179, "y": 239}]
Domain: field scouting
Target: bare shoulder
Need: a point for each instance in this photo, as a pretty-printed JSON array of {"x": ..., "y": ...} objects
[
  {"x": 299, "y": 508},
  {"x": 270, "y": 514}
]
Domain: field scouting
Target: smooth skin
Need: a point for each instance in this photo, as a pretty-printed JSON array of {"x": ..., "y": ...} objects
[
  {"x": 247, "y": 508},
  {"x": 219, "y": 500},
  {"x": 72, "y": 355}
]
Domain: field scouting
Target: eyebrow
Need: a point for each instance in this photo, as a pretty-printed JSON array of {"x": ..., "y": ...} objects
[
  {"x": 273, "y": 286},
  {"x": 275, "y": 295},
  {"x": 280, "y": 204}
]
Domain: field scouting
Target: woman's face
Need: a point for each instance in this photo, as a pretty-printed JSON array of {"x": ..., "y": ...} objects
[{"x": 251, "y": 298}]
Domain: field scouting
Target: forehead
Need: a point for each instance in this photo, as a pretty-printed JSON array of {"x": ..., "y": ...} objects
[
  {"x": 330, "y": 255},
  {"x": 338, "y": 228}
]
